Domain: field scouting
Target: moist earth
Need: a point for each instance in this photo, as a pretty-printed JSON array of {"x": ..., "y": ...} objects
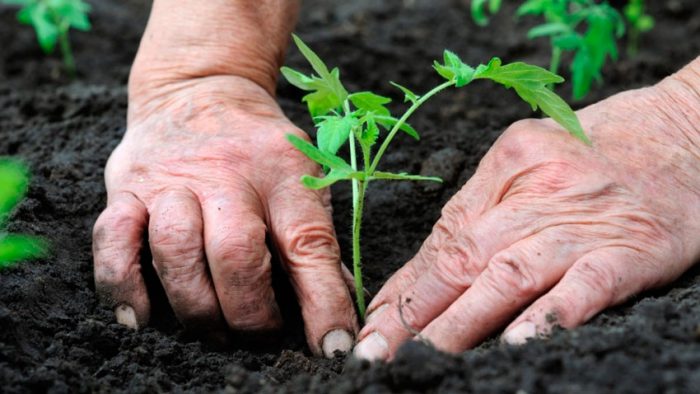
[{"x": 56, "y": 337}]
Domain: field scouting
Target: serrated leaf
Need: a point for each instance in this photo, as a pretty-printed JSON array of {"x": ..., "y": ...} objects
[
  {"x": 370, "y": 131},
  {"x": 454, "y": 69},
  {"x": 388, "y": 122},
  {"x": 333, "y": 132},
  {"x": 15, "y": 248},
  {"x": 370, "y": 102},
  {"x": 403, "y": 177},
  {"x": 408, "y": 94},
  {"x": 327, "y": 92},
  {"x": 324, "y": 158},
  {"x": 530, "y": 83}
]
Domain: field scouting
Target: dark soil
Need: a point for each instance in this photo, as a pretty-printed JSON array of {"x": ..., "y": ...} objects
[{"x": 54, "y": 336}]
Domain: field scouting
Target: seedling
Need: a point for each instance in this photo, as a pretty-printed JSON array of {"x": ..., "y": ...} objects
[
  {"x": 638, "y": 22},
  {"x": 357, "y": 119},
  {"x": 14, "y": 179},
  {"x": 587, "y": 28},
  {"x": 52, "y": 19}
]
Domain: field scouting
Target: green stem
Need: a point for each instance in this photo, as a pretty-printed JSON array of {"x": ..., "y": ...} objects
[
  {"x": 554, "y": 63},
  {"x": 633, "y": 42},
  {"x": 358, "y": 201},
  {"x": 402, "y": 120},
  {"x": 67, "y": 53}
]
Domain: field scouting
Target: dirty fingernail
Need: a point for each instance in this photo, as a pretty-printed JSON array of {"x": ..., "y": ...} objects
[
  {"x": 375, "y": 314},
  {"x": 519, "y": 334},
  {"x": 336, "y": 340},
  {"x": 373, "y": 347},
  {"x": 126, "y": 316}
]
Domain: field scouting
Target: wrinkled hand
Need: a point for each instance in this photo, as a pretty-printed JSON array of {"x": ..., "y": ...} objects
[
  {"x": 550, "y": 231},
  {"x": 205, "y": 169}
]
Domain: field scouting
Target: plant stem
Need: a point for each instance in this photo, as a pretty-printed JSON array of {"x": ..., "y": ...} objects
[
  {"x": 67, "y": 53},
  {"x": 358, "y": 202},
  {"x": 402, "y": 120},
  {"x": 554, "y": 63}
]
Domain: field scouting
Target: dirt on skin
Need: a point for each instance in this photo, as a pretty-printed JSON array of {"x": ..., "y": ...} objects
[{"x": 55, "y": 336}]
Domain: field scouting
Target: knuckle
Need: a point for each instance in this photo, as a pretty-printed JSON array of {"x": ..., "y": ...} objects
[
  {"x": 119, "y": 218},
  {"x": 595, "y": 276},
  {"x": 457, "y": 264},
  {"x": 243, "y": 245},
  {"x": 453, "y": 217},
  {"x": 181, "y": 272},
  {"x": 306, "y": 243},
  {"x": 512, "y": 276},
  {"x": 176, "y": 238}
]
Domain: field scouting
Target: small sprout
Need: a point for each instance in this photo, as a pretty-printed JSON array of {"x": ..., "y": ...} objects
[
  {"x": 479, "y": 10},
  {"x": 638, "y": 22},
  {"x": 361, "y": 118},
  {"x": 52, "y": 19},
  {"x": 14, "y": 179},
  {"x": 589, "y": 29}
]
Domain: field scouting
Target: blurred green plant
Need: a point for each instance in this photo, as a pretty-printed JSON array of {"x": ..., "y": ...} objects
[
  {"x": 52, "y": 19},
  {"x": 638, "y": 22},
  {"x": 14, "y": 180}
]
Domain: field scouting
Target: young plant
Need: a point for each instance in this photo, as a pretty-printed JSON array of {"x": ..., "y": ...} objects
[
  {"x": 52, "y": 19},
  {"x": 14, "y": 179},
  {"x": 638, "y": 22},
  {"x": 358, "y": 118},
  {"x": 479, "y": 8},
  {"x": 586, "y": 28}
]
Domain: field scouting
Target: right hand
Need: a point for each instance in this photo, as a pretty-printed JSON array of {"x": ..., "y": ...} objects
[{"x": 206, "y": 169}]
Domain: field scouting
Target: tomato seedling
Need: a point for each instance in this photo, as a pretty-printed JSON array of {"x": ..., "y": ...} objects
[
  {"x": 586, "y": 28},
  {"x": 52, "y": 19},
  {"x": 14, "y": 179},
  {"x": 638, "y": 22},
  {"x": 342, "y": 117}
]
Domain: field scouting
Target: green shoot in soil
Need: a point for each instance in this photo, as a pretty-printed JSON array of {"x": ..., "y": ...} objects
[
  {"x": 588, "y": 29},
  {"x": 638, "y": 22},
  {"x": 14, "y": 179},
  {"x": 357, "y": 118},
  {"x": 51, "y": 20}
]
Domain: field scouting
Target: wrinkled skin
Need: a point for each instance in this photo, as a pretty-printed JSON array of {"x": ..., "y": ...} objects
[
  {"x": 550, "y": 231},
  {"x": 205, "y": 170}
]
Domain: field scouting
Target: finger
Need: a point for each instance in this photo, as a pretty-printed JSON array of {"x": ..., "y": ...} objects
[
  {"x": 458, "y": 262},
  {"x": 477, "y": 196},
  {"x": 512, "y": 279},
  {"x": 175, "y": 235},
  {"x": 598, "y": 280},
  {"x": 116, "y": 246},
  {"x": 302, "y": 229},
  {"x": 234, "y": 238}
]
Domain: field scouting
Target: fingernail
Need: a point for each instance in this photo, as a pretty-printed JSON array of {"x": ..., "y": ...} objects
[
  {"x": 375, "y": 314},
  {"x": 373, "y": 347},
  {"x": 336, "y": 340},
  {"x": 126, "y": 316},
  {"x": 519, "y": 334}
]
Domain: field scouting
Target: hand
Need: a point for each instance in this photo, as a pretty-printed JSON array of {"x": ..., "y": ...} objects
[
  {"x": 205, "y": 169},
  {"x": 550, "y": 231}
]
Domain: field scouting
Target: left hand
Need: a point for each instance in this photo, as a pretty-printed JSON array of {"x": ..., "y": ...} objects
[{"x": 550, "y": 231}]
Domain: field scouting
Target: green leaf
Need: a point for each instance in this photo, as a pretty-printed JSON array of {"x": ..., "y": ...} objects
[
  {"x": 370, "y": 102},
  {"x": 297, "y": 79},
  {"x": 454, "y": 69},
  {"x": 15, "y": 248},
  {"x": 332, "y": 177},
  {"x": 324, "y": 158},
  {"x": 388, "y": 122},
  {"x": 14, "y": 179},
  {"x": 408, "y": 94},
  {"x": 370, "y": 132},
  {"x": 72, "y": 12},
  {"x": 327, "y": 92},
  {"x": 333, "y": 132},
  {"x": 530, "y": 83},
  {"x": 548, "y": 29},
  {"x": 478, "y": 10},
  {"x": 46, "y": 30},
  {"x": 403, "y": 177}
]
